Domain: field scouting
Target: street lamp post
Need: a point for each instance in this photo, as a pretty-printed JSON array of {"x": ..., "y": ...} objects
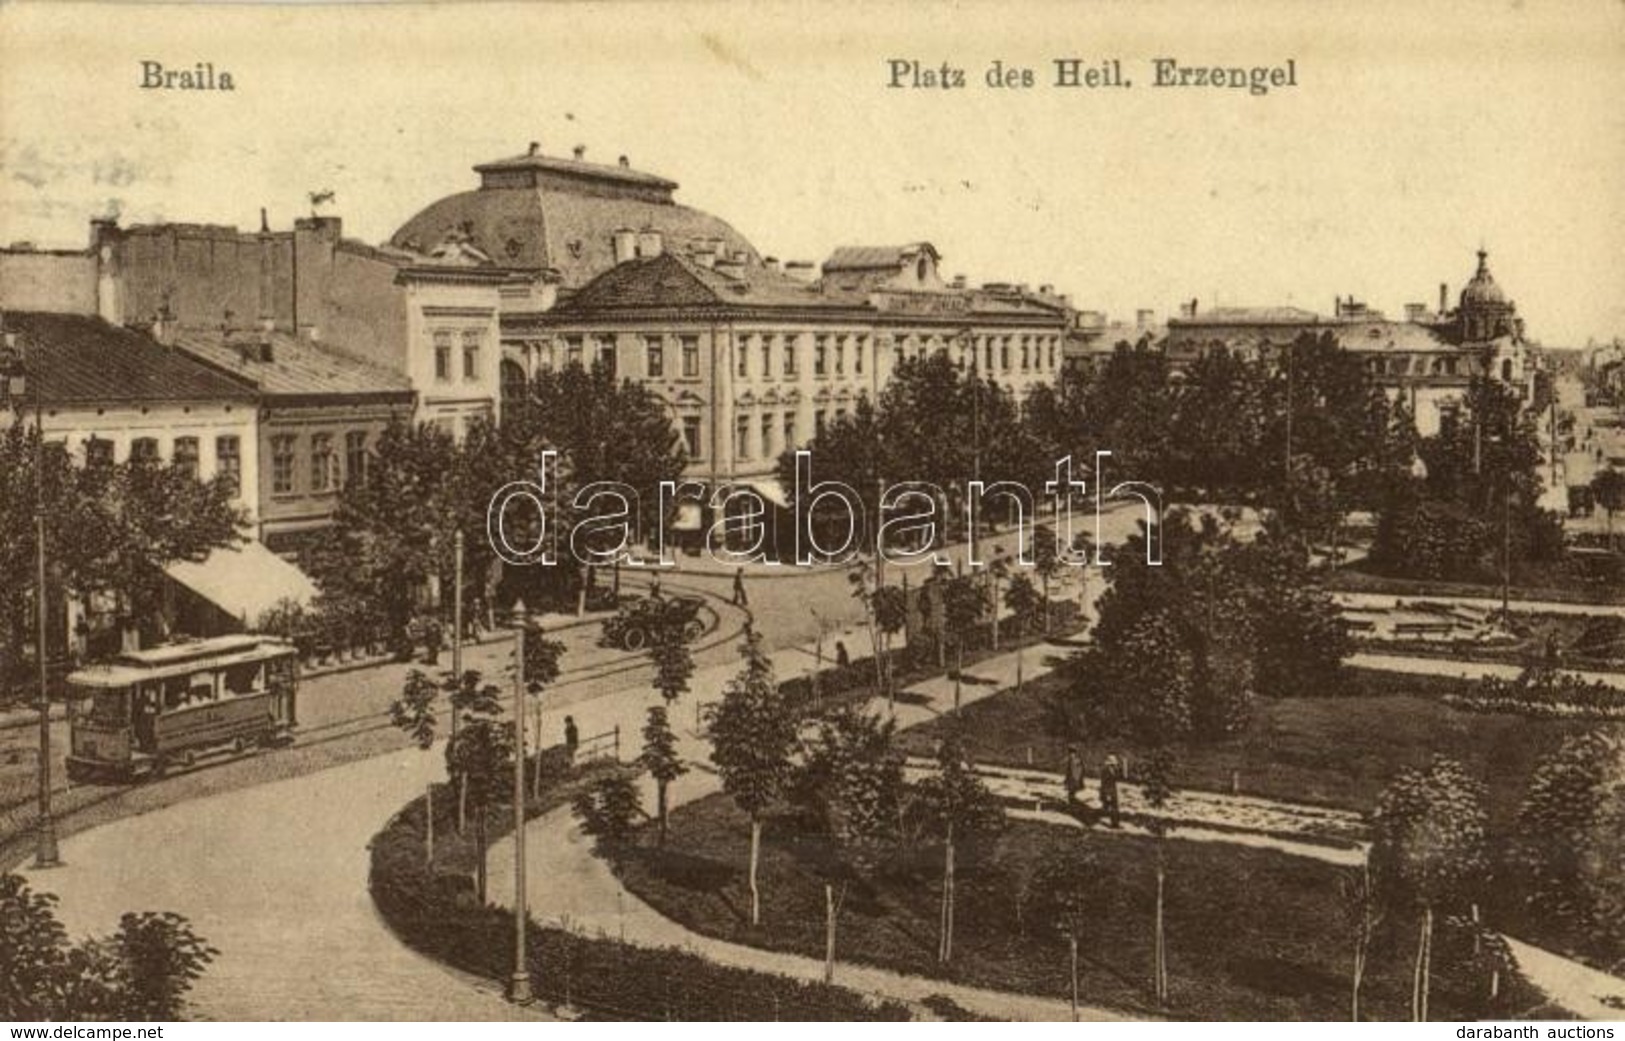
[
  {"x": 15, "y": 374},
  {"x": 519, "y": 984}
]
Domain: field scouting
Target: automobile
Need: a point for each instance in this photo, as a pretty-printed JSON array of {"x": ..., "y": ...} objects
[{"x": 633, "y": 622}]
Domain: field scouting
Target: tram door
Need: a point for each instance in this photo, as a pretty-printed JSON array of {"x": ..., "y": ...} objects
[{"x": 145, "y": 717}]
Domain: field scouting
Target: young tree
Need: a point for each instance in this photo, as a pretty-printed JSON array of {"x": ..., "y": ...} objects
[
  {"x": 1156, "y": 784},
  {"x": 480, "y": 758},
  {"x": 1429, "y": 852},
  {"x": 1570, "y": 837},
  {"x": 1361, "y": 911},
  {"x": 753, "y": 738},
  {"x": 1023, "y": 600},
  {"x": 674, "y": 666},
  {"x": 851, "y": 783},
  {"x": 956, "y": 807},
  {"x": 962, "y": 607},
  {"x": 1071, "y": 892},
  {"x": 608, "y": 812}
]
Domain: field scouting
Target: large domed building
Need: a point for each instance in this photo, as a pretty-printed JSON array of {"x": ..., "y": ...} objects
[{"x": 546, "y": 213}]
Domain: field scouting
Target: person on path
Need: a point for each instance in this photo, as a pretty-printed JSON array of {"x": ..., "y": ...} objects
[
  {"x": 1074, "y": 773},
  {"x": 740, "y": 599},
  {"x": 1110, "y": 773},
  {"x": 842, "y": 658},
  {"x": 572, "y": 738}
]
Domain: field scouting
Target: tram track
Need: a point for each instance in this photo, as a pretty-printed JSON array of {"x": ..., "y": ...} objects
[{"x": 341, "y": 730}]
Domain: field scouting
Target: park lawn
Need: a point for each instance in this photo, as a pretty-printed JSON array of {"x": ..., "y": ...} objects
[
  {"x": 1334, "y": 751},
  {"x": 1253, "y": 934}
]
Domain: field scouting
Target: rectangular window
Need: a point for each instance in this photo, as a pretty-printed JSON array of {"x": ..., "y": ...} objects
[
  {"x": 144, "y": 449},
  {"x": 471, "y": 354},
  {"x": 789, "y": 431},
  {"x": 655, "y": 355},
  {"x": 767, "y": 435},
  {"x": 355, "y": 457},
  {"x": 606, "y": 357},
  {"x": 818, "y": 424},
  {"x": 442, "y": 356},
  {"x": 572, "y": 352},
  {"x": 691, "y": 357},
  {"x": 691, "y": 437},
  {"x": 186, "y": 455},
  {"x": 767, "y": 357},
  {"x": 321, "y": 462},
  {"x": 821, "y": 356},
  {"x": 857, "y": 356},
  {"x": 228, "y": 460},
  {"x": 282, "y": 463},
  {"x": 1004, "y": 354},
  {"x": 790, "y": 355},
  {"x": 742, "y": 438},
  {"x": 840, "y": 356},
  {"x": 98, "y": 452},
  {"x": 742, "y": 359}
]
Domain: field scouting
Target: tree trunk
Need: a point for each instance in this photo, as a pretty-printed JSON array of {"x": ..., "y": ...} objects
[
  {"x": 1359, "y": 977},
  {"x": 1427, "y": 958},
  {"x": 1072, "y": 949},
  {"x": 462, "y": 803},
  {"x": 755, "y": 858},
  {"x": 829, "y": 932},
  {"x": 1046, "y": 604},
  {"x": 428, "y": 824},
  {"x": 1158, "y": 953},
  {"x": 959, "y": 670},
  {"x": 945, "y": 949},
  {"x": 1420, "y": 972},
  {"x": 479, "y": 845},
  {"x": 660, "y": 809}
]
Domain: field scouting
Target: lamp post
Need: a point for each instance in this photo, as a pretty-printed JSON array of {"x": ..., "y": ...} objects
[
  {"x": 519, "y": 983},
  {"x": 16, "y": 389}
]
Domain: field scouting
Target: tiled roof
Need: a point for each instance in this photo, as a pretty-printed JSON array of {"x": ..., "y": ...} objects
[
  {"x": 673, "y": 281},
  {"x": 871, "y": 258},
  {"x": 297, "y": 366},
  {"x": 577, "y": 168},
  {"x": 1389, "y": 336},
  {"x": 1250, "y": 316},
  {"x": 79, "y": 359},
  {"x": 570, "y": 232}
]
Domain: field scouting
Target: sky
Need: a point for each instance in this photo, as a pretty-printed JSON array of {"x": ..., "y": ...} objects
[{"x": 1418, "y": 132}]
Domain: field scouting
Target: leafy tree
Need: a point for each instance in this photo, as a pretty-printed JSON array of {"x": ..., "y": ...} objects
[
  {"x": 1429, "y": 852},
  {"x": 1047, "y": 556},
  {"x": 956, "y": 807},
  {"x": 1217, "y": 427},
  {"x": 413, "y": 712},
  {"x": 1024, "y": 603},
  {"x": 962, "y": 608},
  {"x": 1571, "y": 836},
  {"x": 141, "y": 973},
  {"x": 1157, "y": 772},
  {"x": 480, "y": 758},
  {"x": 851, "y": 784},
  {"x": 608, "y": 811},
  {"x": 1608, "y": 490},
  {"x": 1300, "y": 640},
  {"x": 674, "y": 666},
  {"x": 753, "y": 736},
  {"x": 1071, "y": 892},
  {"x": 390, "y": 531}
]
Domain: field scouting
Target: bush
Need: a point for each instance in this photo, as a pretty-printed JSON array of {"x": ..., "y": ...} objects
[{"x": 1544, "y": 692}]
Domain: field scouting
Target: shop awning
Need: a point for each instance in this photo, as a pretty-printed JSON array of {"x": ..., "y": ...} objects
[
  {"x": 244, "y": 581},
  {"x": 769, "y": 489}
]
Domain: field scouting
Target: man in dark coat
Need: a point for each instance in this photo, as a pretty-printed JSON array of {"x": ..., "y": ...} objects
[{"x": 1110, "y": 773}]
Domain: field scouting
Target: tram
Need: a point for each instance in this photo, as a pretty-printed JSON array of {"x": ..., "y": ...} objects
[{"x": 149, "y": 711}]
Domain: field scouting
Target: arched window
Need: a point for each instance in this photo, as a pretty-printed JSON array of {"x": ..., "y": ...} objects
[{"x": 514, "y": 385}]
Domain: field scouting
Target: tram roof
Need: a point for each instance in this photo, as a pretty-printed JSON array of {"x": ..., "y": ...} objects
[{"x": 179, "y": 659}]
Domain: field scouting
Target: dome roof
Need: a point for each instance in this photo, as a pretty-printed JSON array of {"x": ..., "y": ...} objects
[
  {"x": 1482, "y": 290},
  {"x": 537, "y": 211}
]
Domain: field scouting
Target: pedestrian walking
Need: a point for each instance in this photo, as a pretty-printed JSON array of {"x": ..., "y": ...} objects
[
  {"x": 842, "y": 659},
  {"x": 1074, "y": 772},
  {"x": 740, "y": 599},
  {"x": 572, "y": 738},
  {"x": 1110, "y": 774}
]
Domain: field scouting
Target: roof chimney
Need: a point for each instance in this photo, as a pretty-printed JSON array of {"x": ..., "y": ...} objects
[
  {"x": 535, "y": 148},
  {"x": 801, "y": 270},
  {"x": 626, "y": 164},
  {"x": 1444, "y": 298},
  {"x": 958, "y": 282},
  {"x": 626, "y": 245},
  {"x": 580, "y": 152},
  {"x": 771, "y": 263},
  {"x": 649, "y": 243},
  {"x": 1143, "y": 318},
  {"x": 163, "y": 325}
]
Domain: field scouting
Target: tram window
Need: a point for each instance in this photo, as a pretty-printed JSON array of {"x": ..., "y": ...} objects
[
  {"x": 105, "y": 708},
  {"x": 241, "y": 679},
  {"x": 175, "y": 693}
]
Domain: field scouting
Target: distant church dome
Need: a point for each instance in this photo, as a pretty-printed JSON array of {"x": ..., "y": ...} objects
[
  {"x": 1482, "y": 289},
  {"x": 537, "y": 211}
]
